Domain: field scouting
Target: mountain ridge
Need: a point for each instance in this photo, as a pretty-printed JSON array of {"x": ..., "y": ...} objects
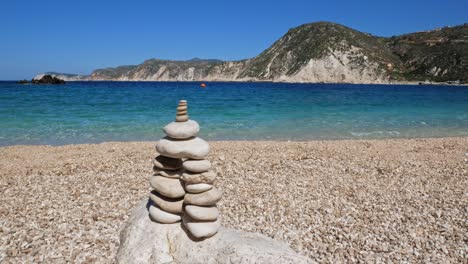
[{"x": 321, "y": 52}]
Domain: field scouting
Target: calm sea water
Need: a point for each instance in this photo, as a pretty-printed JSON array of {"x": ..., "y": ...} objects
[{"x": 88, "y": 112}]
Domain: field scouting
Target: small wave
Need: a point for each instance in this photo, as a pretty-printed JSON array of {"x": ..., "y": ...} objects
[{"x": 373, "y": 133}]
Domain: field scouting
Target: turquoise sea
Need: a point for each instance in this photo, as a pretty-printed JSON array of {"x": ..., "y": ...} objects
[{"x": 89, "y": 112}]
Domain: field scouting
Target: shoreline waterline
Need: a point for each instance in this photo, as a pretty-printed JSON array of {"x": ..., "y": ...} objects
[
  {"x": 271, "y": 82},
  {"x": 266, "y": 141},
  {"x": 91, "y": 112}
]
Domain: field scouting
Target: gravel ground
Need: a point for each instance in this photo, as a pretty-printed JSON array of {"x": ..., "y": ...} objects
[{"x": 348, "y": 201}]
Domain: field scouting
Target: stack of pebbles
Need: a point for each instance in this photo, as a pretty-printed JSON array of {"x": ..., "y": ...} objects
[
  {"x": 182, "y": 164},
  {"x": 200, "y": 211}
]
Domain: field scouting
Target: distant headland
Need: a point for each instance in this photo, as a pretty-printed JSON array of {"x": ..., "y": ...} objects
[{"x": 320, "y": 52}]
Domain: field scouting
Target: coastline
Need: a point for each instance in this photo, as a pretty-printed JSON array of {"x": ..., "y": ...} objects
[
  {"x": 266, "y": 81},
  {"x": 387, "y": 199}
]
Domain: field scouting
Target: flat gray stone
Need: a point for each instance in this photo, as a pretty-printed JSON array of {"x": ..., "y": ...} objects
[
  {"x": 170, "y": 205},
  {"x": 202, "y": 213},
  {"x": 197, "y": 166},
  {"x": 171, "y": 188},
  {"x": 198, "y": 187},
  {"x": 210, "y": 197},
  {"x": 201, "y": 229},
  {"x": 193, "y": 178},
  {"x": 193, "y": 148},
  {"x": 161, "y": 216},
  {"x": 143, "y": 241},
  {"x": 182, "y": 130},
  {"x": 166, "y": 163}
]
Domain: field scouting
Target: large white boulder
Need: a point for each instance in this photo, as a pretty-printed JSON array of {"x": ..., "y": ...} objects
[{"x": 145, "y": 241}]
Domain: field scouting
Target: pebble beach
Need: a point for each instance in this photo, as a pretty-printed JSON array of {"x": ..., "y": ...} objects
[{"x": 401, "y": 200}]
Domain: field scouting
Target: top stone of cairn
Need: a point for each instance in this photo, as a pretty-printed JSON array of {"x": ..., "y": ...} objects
[
  {"x": 182, "y": 114},
  {"x": 182, "y": 128}
]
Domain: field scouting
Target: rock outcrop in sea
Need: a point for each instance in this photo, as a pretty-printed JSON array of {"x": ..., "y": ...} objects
[{"x": 43, "y": 79}]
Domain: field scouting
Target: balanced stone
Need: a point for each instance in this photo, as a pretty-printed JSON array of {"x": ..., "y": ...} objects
[
  {"x": 167, "y": 163},
  {"x": 201, "y": 229},
  {"x": 182, "y": 130},
  {"x": 198, "y": 187},
  {"x": 183, "y": 183},
  {"x": 197, "y": 166},
  {"x": 182, "y": 118},
  {"x": 194, "y": 148},
  {"x": 170, "y": 205},
  {"x": 182, "y": 112},
  {"x": 162, "y": 217},
  {"x": 210, "y": 197},
  {"x": 169, "y": 174},
  {"x": 203, "y": 213},
  {"x": 192, "y": 178},
  {"x": 168, "y": 187}
]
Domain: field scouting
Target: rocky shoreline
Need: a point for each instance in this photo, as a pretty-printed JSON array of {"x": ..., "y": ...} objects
[
  {"x": 351, "y": 200},
  {"x": 383, "y": 82}
]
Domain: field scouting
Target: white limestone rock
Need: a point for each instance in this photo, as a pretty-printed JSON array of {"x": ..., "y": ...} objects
[
  {"x": 197, "y": 166},
  {"x": 202, "y": 213},
  {"x": 168, "y": 187},
  {"x": 145, "y": 241},
  {"x": 182, "y": 130},
  {"x": 201, "y": 229},
  {"x": 159, "y": 215},
  {"x": 194, "y": 148},
  {"x": 198, "y": 187},
  {"x": 210, "y": 197}
]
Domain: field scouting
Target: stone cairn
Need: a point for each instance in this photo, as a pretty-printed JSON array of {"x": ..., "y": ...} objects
[{"x": 183, "y": 183}]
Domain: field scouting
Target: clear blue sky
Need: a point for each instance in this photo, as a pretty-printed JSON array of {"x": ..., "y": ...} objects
[{"x": 83, "y": 35}]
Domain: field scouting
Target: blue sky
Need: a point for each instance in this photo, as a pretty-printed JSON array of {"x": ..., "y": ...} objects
[{"x": 80, "y": 36}]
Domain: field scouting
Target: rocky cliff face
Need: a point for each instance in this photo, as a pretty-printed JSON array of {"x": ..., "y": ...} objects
[
  {"x": 321, "y": 52},
  {"x": 166, "y": 70}
]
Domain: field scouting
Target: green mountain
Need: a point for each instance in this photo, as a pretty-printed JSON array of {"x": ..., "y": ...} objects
[
  {"x": 323, "y": 52},
  {"x": 317, "y": 41},
  {"x": 438, "y": 55}
]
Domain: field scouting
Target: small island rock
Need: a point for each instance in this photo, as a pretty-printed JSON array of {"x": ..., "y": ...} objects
[{"x": 47, "y": 79}]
